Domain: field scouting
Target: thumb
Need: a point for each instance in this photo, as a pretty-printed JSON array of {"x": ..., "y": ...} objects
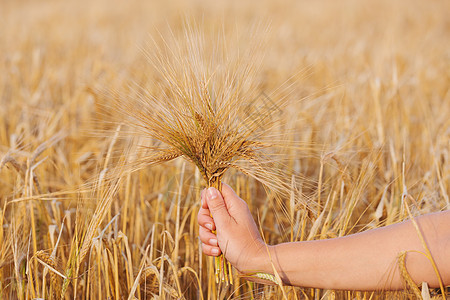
[{"x": 217, "y": 207}]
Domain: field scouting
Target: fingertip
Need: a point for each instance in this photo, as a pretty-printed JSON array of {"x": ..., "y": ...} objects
[
  {"x": 213, "y": 193},
  {"x": 206, "y": 221},
  {"x": 207, "y": 237},
  {"x": 210, "y": 226},
  {"x": 210, "y": 250},
  {"x": 215, "y": 251}
]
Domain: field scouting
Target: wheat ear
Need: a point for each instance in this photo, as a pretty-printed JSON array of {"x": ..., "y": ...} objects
[{"x": 401, "y": 260}]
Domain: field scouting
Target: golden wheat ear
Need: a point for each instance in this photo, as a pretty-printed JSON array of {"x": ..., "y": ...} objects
[{"x": 263, "y": 278}]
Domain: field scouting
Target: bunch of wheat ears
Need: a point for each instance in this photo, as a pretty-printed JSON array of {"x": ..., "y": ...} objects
[{"x": 209, "y": 111}]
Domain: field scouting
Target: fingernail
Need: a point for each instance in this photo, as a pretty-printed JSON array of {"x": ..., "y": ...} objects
[
  {"x": 212, "y": 193},
  {"x": 209, "y": 226},
  {"x": 215, "y": 251},
  {"x": 213, "y": 242}
]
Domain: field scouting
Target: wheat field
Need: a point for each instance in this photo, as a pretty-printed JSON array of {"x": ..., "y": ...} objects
[{"x": 366, "y": 92}]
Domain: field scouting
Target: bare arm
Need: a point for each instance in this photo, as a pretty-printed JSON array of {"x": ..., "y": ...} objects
[
  {"x": 367, "y": 260},
  {"x": 363, "y": 261}
]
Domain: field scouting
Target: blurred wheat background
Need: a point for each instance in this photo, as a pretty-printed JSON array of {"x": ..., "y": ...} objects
[{"x": 368, "y": 92}]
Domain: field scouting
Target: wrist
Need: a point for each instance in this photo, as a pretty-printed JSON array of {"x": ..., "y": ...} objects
[
  {"x": 270, "y": 263},
  {"x": 264, "y": 260}
]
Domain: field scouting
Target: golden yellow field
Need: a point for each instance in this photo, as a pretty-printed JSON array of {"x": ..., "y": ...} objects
[{"x": 368, "y": 90}]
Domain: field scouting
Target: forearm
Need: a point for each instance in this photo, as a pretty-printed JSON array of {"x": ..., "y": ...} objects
[{"x": 367, "y": 260}]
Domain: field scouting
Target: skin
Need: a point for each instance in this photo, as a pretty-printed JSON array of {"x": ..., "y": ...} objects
[{"x": 362, "y": 261}]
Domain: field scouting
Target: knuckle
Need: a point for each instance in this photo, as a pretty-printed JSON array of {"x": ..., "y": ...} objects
[
  {"x": 203, "y": 239},
  {"x": 217, "y": 205},
  {"x": 203, "y": 220},
  {"x": 205, "y": 249},
  {"x": 201, "y": 232}
]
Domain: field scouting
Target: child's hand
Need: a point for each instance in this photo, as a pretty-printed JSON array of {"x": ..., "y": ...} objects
[{"x": 237, "y": 236}]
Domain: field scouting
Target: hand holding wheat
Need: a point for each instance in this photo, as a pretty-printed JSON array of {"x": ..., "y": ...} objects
[
  {"x": 328, "y": 263},
  {"x": 237, "y": 235}
]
